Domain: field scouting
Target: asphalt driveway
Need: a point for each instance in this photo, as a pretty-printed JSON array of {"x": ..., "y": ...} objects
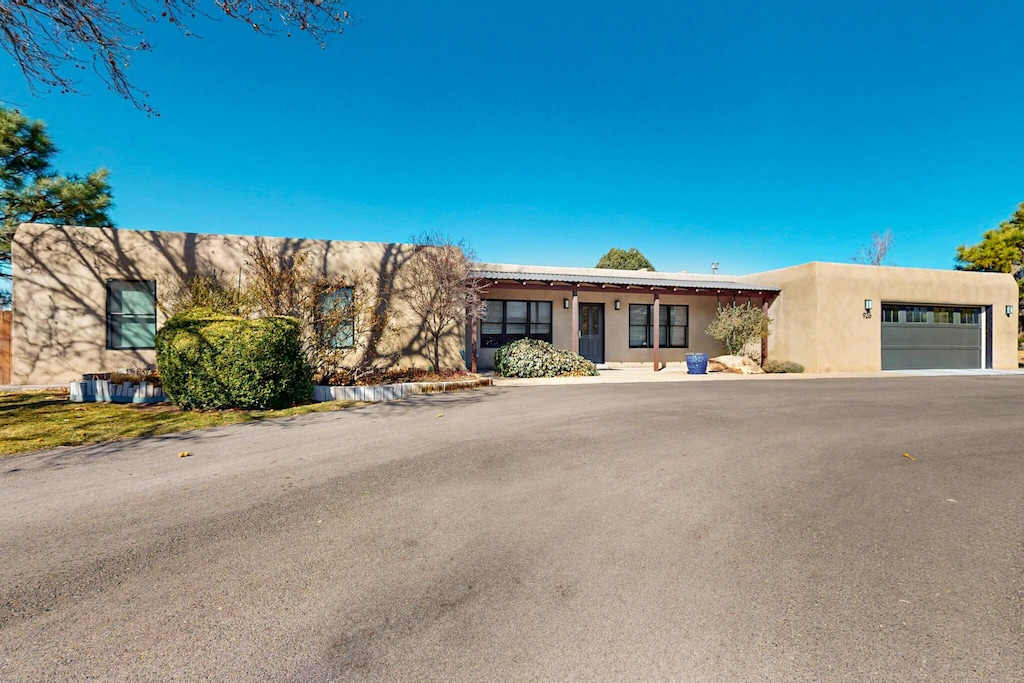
[{"x": 677, "y": 531}]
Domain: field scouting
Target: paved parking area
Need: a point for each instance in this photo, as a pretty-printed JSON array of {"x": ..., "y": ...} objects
[{"x": 701, "y": 531}]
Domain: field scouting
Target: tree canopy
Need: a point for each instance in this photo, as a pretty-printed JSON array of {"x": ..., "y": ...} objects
[
  {"x": 1001, "y": 250},
  {"x": 620, "y": 259},
  {"x": 31, "y": 191},
  {"x": 50, "y": 40}
]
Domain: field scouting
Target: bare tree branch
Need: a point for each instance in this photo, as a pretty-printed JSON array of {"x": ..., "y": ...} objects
[
  {"x": 442, "y": 290},
  {"x": 875, "y": 253},
  {"x": 50, "y": 38}
]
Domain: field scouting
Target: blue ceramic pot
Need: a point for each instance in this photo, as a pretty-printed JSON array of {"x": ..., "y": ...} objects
[{"x": 697, "y": 363}]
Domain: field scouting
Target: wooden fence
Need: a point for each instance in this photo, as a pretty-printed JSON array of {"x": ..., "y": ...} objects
[{"x": 6, "y": 318}]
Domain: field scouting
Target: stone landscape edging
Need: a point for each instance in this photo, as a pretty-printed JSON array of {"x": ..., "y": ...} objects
[
  {"x": 102, "y": 391},
  {"x": 380, "y": 393}
]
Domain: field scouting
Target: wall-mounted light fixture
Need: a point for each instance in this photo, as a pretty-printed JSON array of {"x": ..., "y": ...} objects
[
  {"x": 565, "y": 303},
  {"x": 1009, "y": 310},
  {"x": 868, "y": 304},
  {"x": 618, "y": 305}
]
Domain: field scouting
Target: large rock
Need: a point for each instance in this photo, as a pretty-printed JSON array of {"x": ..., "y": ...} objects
[{"x": 740, "y": 365}]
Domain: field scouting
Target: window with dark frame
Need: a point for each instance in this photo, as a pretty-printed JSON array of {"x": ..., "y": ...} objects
[
  {"x": 131, "y": 314},
  {"x": 673, "y": 326},
  {"x": 336, "y": 324},
  {"x": 506, "y": 321}
]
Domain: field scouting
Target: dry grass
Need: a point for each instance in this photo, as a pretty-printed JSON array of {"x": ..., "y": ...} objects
[{"x": 38, "y": 420}]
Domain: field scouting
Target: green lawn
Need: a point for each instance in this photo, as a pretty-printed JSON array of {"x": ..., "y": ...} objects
[{"x": 37, "y": 420}]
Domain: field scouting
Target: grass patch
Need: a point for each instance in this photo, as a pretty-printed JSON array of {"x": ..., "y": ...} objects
[{"x": 38, "y": 420}]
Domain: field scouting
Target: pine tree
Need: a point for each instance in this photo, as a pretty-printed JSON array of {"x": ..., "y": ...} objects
[
  {"x": 31, "y": 191},
  {"x": 1001, "y": 250}
]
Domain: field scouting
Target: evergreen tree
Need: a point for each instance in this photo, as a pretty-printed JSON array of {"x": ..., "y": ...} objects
[
  {"x": 31, "y": 191},
  {"x": 1001, "y": 250}
]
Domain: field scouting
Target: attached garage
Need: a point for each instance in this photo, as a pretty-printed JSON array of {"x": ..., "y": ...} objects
[
  {"x": 837, "y": 317},
  {"x": 920, "y": 336}
]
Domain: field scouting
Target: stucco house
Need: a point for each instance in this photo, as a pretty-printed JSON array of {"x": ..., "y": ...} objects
[{"x": 86, "y": 300}]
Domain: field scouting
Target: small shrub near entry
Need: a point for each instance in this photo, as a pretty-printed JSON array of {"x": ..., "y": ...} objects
[
  {"x": 782, "y": 366},
  {"x": 737, "y": 325},
  {"x": 212, "y": 360},
  {"x": 536, "y": 358}
]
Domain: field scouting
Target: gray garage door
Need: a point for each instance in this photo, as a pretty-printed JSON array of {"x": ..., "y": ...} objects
[{"x": 917, "y": 337}]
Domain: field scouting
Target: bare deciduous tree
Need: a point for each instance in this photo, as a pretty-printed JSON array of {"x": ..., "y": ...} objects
[
  {"x": 349, "y": 331},
  {"x": 875, "y": 253},
  {"x": 442, "y": 290},
  {"x": 279, "y": 282},
  {"x": 48, "y": 38}
]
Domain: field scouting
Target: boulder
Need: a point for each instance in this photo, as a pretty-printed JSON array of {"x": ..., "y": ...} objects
[{"x": 740, "y": 365}]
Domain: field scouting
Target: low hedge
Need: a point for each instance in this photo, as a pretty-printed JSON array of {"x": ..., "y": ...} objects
[
  {"x": 782, "y": 366},
  {"x": 212, "y": 360},
  {"x": 535, "y": 358}
]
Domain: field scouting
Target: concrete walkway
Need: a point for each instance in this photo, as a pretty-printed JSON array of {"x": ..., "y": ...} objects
[{"x": 628, "y": 374}]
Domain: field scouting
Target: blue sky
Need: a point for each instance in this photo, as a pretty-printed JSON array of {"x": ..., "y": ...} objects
[{"x": 755, "y": 134}]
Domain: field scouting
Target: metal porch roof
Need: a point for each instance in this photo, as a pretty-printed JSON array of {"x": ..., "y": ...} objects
[{"x": 616, "y": 278}]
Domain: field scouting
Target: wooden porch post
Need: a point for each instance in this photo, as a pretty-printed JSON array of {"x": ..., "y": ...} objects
[
  {"x": 575, "y": 321},
  {"x": 657, "y": 330},
  {"x": 764, "y": 340},
  {"x": 472, "y": 346}
]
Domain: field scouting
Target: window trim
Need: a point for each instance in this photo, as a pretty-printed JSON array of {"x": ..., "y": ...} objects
[
  {"x": 662, "y": 322},
  {"x": 528, "y": 322},
  {"x": 119, "y": 317}
]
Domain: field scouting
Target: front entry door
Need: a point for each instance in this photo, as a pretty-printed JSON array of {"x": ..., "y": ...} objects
[{"x": 592, "y": 332}]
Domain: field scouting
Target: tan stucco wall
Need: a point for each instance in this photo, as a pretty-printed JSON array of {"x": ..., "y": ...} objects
[
  {"x": 819, "y": 322},
  {"x": 616, "y": 332},
  {"x": 59, "y": 288}
]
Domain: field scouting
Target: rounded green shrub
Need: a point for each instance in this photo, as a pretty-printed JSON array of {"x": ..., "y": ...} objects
[
  {"x": 779, "y": 366},
  {"x": 212, "y": 360},
  {"x": 536, "y": 358}
]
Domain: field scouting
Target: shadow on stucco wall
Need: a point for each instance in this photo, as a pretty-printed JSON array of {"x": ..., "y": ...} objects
[{"x": 60, "y": 276}]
